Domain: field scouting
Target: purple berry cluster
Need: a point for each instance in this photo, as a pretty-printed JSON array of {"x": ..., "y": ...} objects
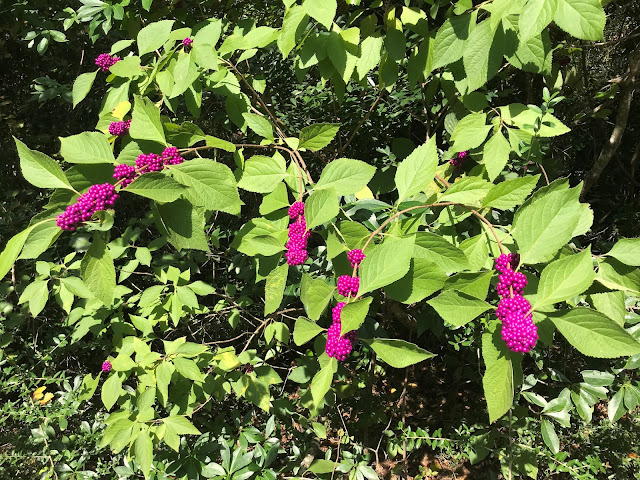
[
  {"x": 106, "y": 366},
  {"x": 119, "y": 128},
  {"x": 459, "y": 159},
  {"x": 518, "y": 330},
  {"x": 348, "y": 285},
  {"x": 149, "y": 162},
  {"x": 106, "y": 61},
  {"x": 355, "y": 257},
  {"x": 339, "y": 347},
  {"x": 298, "y": 235},
  {"x": 187, "y": 41},
  {"x": 97, "y": 198}
]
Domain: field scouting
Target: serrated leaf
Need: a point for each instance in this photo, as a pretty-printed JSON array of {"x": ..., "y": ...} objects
[
  {"x": 346, "y": 176},
  {"x": 584, "y": 19},
  {"x": 385, "y": 263},
  {"x": 318, "y": 136},
  {"x": 153, "y": 36},
  {"x": 321, "y": 10},
  {"x": 458, "y": 308},
  {"x": 82, "y": 86},
  {"x": 262, "y": 174},
  {"x": 86, "y": 147},
  {"x": 626, "y": 250},
  {"x": 259, "y": 125},
  {"x": 156, "y": 186},
  {"x": 39, "y": 169},
  {"x": 510, "y": 193},
  {"x": 315, "y": 294},
  {"x": 398, "y": 353},
  {"x": 415, "y": 173},
  {"x": 98, "y": 271},
  {"x": 353, "y": 314},
  {"x": 565, "y": 278},
  {"x": 470, "y": 132},
  {"x": 594, "y": 334},
  {"x": 322, "y": 206},
  {"x": 495, "y": 155},
  {"x": 145, "y": 121},
  {"x": 321, "y": 382},
  {"x": 304, "y": 330},
  {"x": 274, "y": 288}
]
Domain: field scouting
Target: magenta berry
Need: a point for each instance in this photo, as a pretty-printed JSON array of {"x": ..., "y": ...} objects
[
  {"x": 296, "y": 210},
  {"x": 171, "y": 156},
  {"x": 149, "y": 162},
  {"x": 106, "y": 366},
  {"x": 347, "y": 285},
  {"x": 98, "y": 197},
  {"x": 339, "y": 347},
  {"x": 119, "y": 128},
  {"x": 187, "y": 41},
  {"x": 459, "y": 159},
  {"x": 125, "y": 173},
  {"x": 298, "y": 235},
  {"x": 355, "y": 257},
  {"x": 518, "y": 330},
  {"x": 106, "y": 61}
]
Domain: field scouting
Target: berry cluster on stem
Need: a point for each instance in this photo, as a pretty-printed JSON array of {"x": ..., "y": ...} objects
[
  {"x": 106, "y": 366},
  {"x": 339, "y": 347},
  {"x": 119, "y": 128},
  {"x": 97, "y": 198},
  {"x": 106, "y": 61},
  {"x": 518, "y": 330},
  {"x": 298, "y": 235},
  {"x": 459, "y": 159},
  {"x": 187, "y": 41}
]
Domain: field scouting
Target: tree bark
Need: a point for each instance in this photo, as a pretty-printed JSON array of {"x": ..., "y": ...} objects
[{"x": 622, "y": 116}]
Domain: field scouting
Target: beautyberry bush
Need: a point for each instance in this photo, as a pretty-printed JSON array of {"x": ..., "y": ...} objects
[{"x": 208, "y": 191}]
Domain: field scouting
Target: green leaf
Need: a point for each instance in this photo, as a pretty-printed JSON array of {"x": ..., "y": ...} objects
[
  {"x": 119, "y": 46},
  {"x": 475, "y": 284},
  {"x": 293, "y": 26},
  {"x": 259, "y": 125},
  {"x": 398, "y": 353},
  {"x": 181, "y": 425},
  {"x": 262, "y": 174},
  {"x": 276, "y": 200},
  {"x": 321, "y": 207},
  {"x": 321, "y": 382},
  {"x": 12, "y": 250},
  {"x": 321, "y": 10},
  {"x": 498, "y": 380},
  {"x": 370, "y": 55},
  {"x": 277, "y": 330},
  {"x": 315, "y": 294},
  {"x": 615, "y": 408},
  {"x": 510, "y": 193},
  {"x": 41, "y": 237},
  {"x": 346, "y": 176},
  {"x": 525, "y": 117},
  {"x": 584, "y": 19},
  {"x": 626, "y": 250},
  {"x": 211, "y": 184},
  {"x": 98, "y": 272},
  {"x": 86, "y": 147},
  {"x": 304, "y": 330},
  {"x": 458, "y": 308},
  {"x": 618, "y": 276},
  {"x": 144, "y": 451},
  {"x": 36, "y": 294},
  {"x": 128, "y": 67},
  {"x": 111, "y": 390},
  {"x": 260, "y": 237},
  {"x": 274, "y": 288},
  {"x": 317, "y": 136},
  {"x": 219, "y": 143},
  {"x": 423, "y": 278},
  {"x": 156, "y": 186},
  {"x": 81, "y": 87},
  {"x": 534, "y": 55},
  {"x": 185, "y": 72},
  {"x": 482, "y": 56},
  {"x": 470, "y": 132},
  {"x": 353, "y": 314},
  {"x": 40, "y": 170},
  {"x": 415, "y": 173},
  {"x": 467, "y": 191},
  {"x": 565, "y": 278},
  {"x": 450, "y": 39},
  {"x": 594, "y": 334},
  {"x": 495, "y": 155},
  {"x": 188, "y": 369},
  {"x": 153, "y": 36},
  {"x": 535, "y": 17},
  {"x": 546, "y": 221},
  {"x": 549, "y": 436},
  {"x": 385, "y": 264},
  {"x": 436, "y": 249},
  {"x": 182, "y": 224},
  {"x": 210, "y": 33},
  {"x": 145, "y": 121},
  {"x": 611, "y": 304}
]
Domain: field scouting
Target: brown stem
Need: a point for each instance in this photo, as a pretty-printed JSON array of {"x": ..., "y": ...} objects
[
  {"x": 360, "y": 123},
  {"x": 622, "y": 117}
]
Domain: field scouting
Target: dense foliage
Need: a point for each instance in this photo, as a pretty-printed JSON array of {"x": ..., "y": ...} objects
[{"x": 320, "y": 239}]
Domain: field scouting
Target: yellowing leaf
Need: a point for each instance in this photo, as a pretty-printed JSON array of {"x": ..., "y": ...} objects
[
  {"x": 37, "y": 395},
  {"x": 121, "y": 110},
  {"x": 47, "y": 398},
  {"x": 364, "y": 193}
]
